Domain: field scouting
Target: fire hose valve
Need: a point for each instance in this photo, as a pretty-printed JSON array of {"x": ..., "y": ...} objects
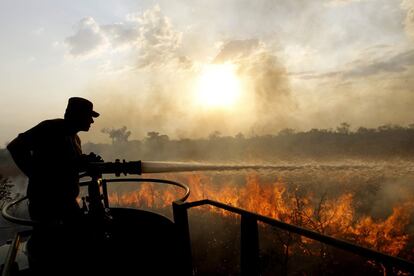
[
  {"x": 124, "y": 166},
  {"x": 118, "y": 167}
]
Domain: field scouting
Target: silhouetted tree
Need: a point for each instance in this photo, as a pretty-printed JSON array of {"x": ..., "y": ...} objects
[
  {"x": 214, "y": 135},
  {"x": 118, "y": 135},
  {"x": 154, "y": 136},
  {"x": 343, "y": 128},
  {"x": 287, "y": 131},
  {"x": 239, "y": 136}
]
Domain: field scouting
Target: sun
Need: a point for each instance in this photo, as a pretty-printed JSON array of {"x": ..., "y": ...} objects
[{"x": 218, "y": 86}]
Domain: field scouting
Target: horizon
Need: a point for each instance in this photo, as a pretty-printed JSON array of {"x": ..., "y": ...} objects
[{"x": 126, "y": 134}]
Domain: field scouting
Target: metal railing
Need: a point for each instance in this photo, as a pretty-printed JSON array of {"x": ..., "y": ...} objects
[
  {"x": 249, "y": 258},
  {"x": 250, "y": 263}
]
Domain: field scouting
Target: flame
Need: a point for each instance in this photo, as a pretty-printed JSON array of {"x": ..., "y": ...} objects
[
  {"x": 331, "y": 216},
  {"x": 388, "y": 235}
]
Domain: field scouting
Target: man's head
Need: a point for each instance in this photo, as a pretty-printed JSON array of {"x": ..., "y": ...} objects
[{"x": 80, "y": 113}]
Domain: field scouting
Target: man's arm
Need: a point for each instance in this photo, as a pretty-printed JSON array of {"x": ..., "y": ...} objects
[{"x": 21, "y": 153}]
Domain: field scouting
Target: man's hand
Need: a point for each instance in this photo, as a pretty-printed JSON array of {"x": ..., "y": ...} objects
[
  {"x": 85, "y": 160},
  {"x": 92, "y": 157}
]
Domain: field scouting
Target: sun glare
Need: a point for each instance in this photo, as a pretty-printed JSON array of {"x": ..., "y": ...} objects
[{"x": 218, "y": 86}]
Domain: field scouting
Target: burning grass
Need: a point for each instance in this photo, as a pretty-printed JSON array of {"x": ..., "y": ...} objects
[{"x": 372, "y": 207}]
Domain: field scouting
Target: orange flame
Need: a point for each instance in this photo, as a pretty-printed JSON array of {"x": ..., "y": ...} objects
[{"x": 334, "y": 216}]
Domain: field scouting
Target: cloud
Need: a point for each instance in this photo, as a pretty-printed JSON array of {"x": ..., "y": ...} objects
[
  {"x": 38, "y": 31},
  {"x": 395, "y": 64},
  {"x": 237, "y": 49},
  {"x": 374, "y": 89},
  {"x": 341, "y": 2},
  {"x": 92, "y": 39},
  {"x": 120, "y": 34},
  {"x": 88, "y": 39},
  {"x": 158, "y": 41},
  {"x": 150, "y": 36},
  {"x": 408, "y": 7},
  {"x": 373, "y": 62}
]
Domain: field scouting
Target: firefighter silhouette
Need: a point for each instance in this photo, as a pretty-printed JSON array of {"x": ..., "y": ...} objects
[{"x": 50, "y": 155}]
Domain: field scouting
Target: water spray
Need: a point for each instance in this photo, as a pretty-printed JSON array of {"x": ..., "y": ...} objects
[{"x": 143, "y": 167}]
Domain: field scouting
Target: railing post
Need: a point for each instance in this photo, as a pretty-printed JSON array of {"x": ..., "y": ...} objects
[
  {"x": 183, "y": 233},
  {"x": 10, "y": 266},
  {"x": 94, "y": 198},
  {"x": 105, "y": 193},
  {"x": 249, "y": 259}
]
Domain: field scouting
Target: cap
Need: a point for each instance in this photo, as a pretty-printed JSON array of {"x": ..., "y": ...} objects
[{"x": 80, "y": 106}]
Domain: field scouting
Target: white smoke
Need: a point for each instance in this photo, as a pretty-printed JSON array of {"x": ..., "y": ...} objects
[{"x": 408, "y": 7}]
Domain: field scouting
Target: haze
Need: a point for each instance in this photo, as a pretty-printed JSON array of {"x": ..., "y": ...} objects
[{"x": 296, "y": 64}]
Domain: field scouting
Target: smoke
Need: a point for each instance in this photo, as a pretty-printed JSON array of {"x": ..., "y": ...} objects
[
  {"x": 291, "y": 77},
  {"x": 163, "y": 100},
  {"x": 376, "y": 93},
  {"x": 389, "y": 192},
  {"x": 157, "y": 91},
  {"x": 408, "y": 7},
  {"x": 267, "y": 80}
]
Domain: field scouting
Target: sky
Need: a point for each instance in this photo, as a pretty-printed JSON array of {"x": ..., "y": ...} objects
[{"x": 188, "y": 68}]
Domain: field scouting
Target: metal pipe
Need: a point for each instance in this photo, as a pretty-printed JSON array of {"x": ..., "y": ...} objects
[
  {"x": 7, "y": 216},
  {"x": 162, "y": 181}
]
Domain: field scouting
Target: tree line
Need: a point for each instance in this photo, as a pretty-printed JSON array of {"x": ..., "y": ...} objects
[{"x": 383, "y": 142}]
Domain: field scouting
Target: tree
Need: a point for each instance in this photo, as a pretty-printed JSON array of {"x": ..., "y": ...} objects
[
  {"x": 155, "y": 137},
  {"x": 214, "y": 135},
  {"x": 239, "y": 136},
  {"x": 118, "y": 135},
  {"x": 286, "y": 132},
  {"x": 343, "y": 128}
]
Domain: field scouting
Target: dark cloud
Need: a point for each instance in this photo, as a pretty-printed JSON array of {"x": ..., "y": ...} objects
[
  {"x": 361, "y": 68},
  {"x": 394, "y": 64}
]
